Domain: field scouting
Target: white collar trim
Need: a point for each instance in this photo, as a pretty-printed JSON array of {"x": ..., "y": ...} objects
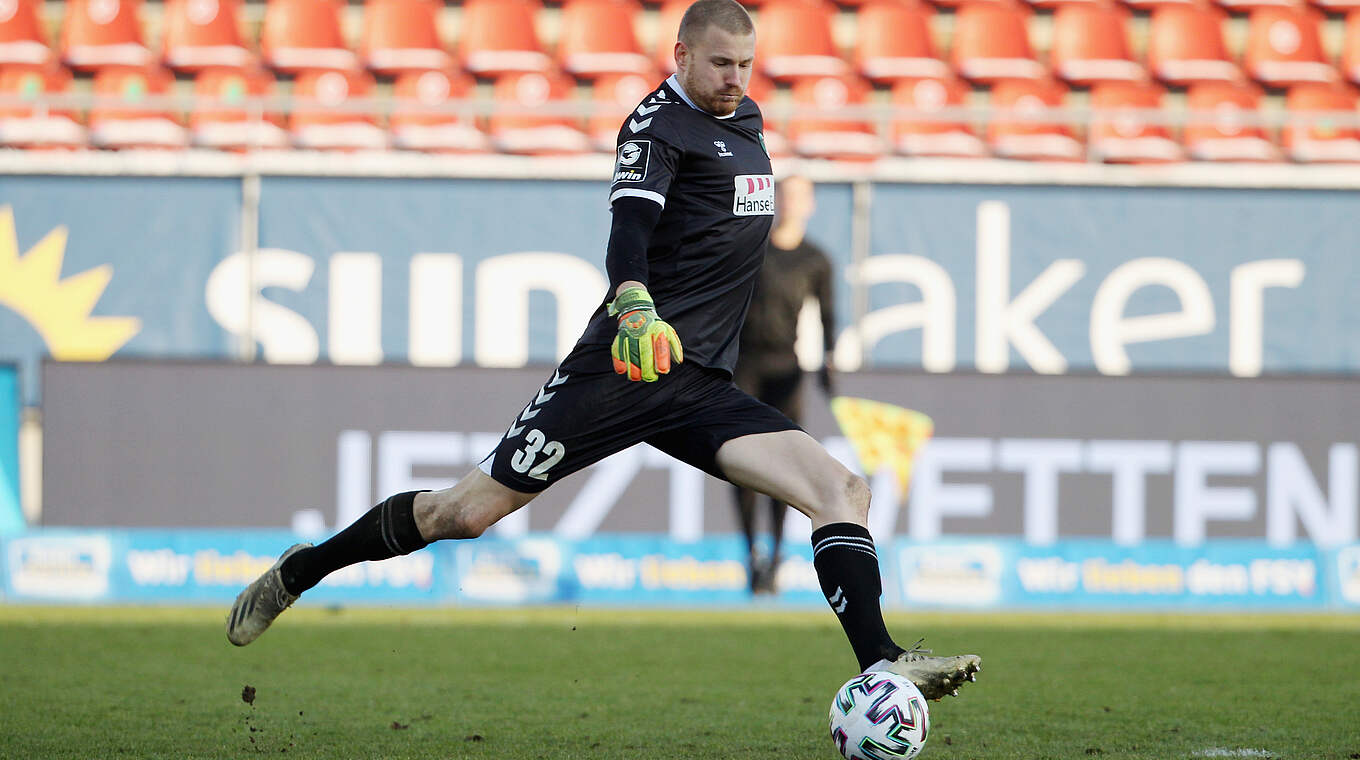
[{"x": 674, "y": 83}]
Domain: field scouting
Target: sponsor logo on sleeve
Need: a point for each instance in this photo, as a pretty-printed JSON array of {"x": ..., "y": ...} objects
[
  {"x": 754, "y": 195},
  {"x": 633, "y": 158}
]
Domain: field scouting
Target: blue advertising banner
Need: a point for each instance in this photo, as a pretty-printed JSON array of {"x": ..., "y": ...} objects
[{"x": 11, "y": 516}]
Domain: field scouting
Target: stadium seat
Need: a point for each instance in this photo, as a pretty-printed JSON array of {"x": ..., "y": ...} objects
[
  {"x": 1337, "y": 6},
  {"x": 203, "y": 33},
  {"x": 991, "y": 43},
  {"x": 1152, "y": 5},
  {"x": 1124, "y": 135},
  {"x": 303, "y": 35},
  {"x": 795, "y": 40},
  {"x": 515, "y": 128},
  {"x": 615, "y": 96},
  {"x": 1350, "y": 47},
  {"x": 597, "y": 37},
  {"x": 1321, "y": 141},
  {"x": 135, "y": 125},
  {"x": 1219, "y": 126},
  {"x": 96, "y": 33},
  {"x": 1284, "y": 47},
  {"x": 1185, "y": 46},
  {"x": 223, "y": 119},
  {"x": 402, "y": 35},
  {"x": 34, "y": 125},
  {"x": 667, "y": 29},
  {"x": 828, "y": 135},
  {"x": 946, "y": 137},
  {"x": 1029, "y": 138},
  {"x": 499, "y": 37},
  {"x": 415, "y": 127},
  {"x": 22, "y": 39},
  {"x": 893, "y": 42},
  {"x": 316, "y": 121},
  {"x": 1091, "y": 44}
]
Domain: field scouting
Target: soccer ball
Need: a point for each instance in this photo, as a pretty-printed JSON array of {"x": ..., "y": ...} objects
[{"x": 879, "y": 716}]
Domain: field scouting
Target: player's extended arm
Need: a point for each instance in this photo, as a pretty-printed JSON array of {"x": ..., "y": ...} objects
[{"x": 645, "y": 346}]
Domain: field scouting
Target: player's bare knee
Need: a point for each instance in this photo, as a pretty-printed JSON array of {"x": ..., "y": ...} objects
[
  {"x": 857, "y": 496},
  {"x": 448, "y": 518}
]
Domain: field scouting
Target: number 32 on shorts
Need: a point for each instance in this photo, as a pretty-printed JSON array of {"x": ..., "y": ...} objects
[{"x": 535, "y": 442}]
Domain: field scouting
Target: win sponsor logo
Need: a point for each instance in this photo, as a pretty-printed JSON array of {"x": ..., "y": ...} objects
[{"x": 754, "y": 195}]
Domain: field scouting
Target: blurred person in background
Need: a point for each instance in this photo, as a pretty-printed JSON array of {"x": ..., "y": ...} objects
[{"x": 794, "y": 271}]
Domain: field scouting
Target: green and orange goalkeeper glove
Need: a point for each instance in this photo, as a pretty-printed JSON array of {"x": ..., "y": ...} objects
[{"x": 646, "y": 345}]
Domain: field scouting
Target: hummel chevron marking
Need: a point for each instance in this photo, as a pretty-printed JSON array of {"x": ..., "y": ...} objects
[
  {"x": 638, "y": 126},
  {"x": 558, "y": 379},
  {"x": 543, "y": 397},
  {"x": 528, "y": 414},
  {"x": 644, "y": 110},
  {"x": 838, "y": 600}
]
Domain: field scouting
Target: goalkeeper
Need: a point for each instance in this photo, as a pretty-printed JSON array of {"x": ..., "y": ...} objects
[{"x": 692, "y": 199}]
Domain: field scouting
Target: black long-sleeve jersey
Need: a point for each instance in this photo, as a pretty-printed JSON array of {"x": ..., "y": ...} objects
[
  {"x": 711, "y": 176},
  {"x": 788, "y": 278}
]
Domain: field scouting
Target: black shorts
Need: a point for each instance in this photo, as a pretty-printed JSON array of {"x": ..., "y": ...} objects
[{"x": 585, "y": 412}]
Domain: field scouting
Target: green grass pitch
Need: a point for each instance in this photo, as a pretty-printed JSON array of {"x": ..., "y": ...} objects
[{"x": 578, "y": 683}]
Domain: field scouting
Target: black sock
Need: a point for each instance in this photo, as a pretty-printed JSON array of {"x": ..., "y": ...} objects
[
  {"x": 385, "y": 531},
  {"x": 847, "y": 567}
]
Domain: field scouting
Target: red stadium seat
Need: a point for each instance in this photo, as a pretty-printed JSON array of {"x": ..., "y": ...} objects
[
  {"x": 415, "y": 127},
  {"x": 1091, "y": 44},
  {"x": 402, "y": 35},
  {"x": 1126, "y": 135},
  {"x": 99, "y": 33},
  {"x": 21, "y": 33},
  {"x": 597, "y": 37},
  {"x": 667, "y": 30},
  {"x": 1284, "y": 47},
  {"x": 828, "y": 135},
  {"x": 1321, "y": 140},
  {"x": 35, "y": 125},
  {"x": 894, "y": 42},
  {"x": 302, "y": 35},
  {"x": 499, "y": 37},
  {"x": 1337, "y": 6},
  {"x": 135, "y": 125},
  {"x": 991, "y": 43},
  {"x": 1029, "y": 137},
  {"x": 317, "y": 120},
  {"x": 945, "y": 137},
  {"x": 203, "y": 33},
  {"x": 1224, "y": 131},
  {"x": 1185, "y": 46},
  {"x": 515, "y": 128},
  {"x": 1152, "y": 5},
  {"x": 615, "y": 96},
  {"x": 794, "y": 40},
  {"x": 1350, "y": 47},
  {"x": 223, "y": 119}
]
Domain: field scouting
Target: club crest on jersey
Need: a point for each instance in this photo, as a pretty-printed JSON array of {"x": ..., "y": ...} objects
[
  {"x": 631, "y": 165},
  {"x": 754, "y": 195}
]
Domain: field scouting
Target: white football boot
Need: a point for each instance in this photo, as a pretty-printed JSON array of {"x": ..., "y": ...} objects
[
  {"x": 936, "y": 677},
  {"x": 262, "y": 601}
]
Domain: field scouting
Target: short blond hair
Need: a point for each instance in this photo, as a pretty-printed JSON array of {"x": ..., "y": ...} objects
[{"x": 727, "y": 15}]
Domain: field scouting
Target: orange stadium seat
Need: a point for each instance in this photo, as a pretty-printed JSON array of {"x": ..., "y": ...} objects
[
  {"x": 499, "y": 37},
  {"x": 318, "y": 120},
  {"x": 667, "y": 29},
  {"x": 893, "y": 42},
  {"x": 991, "y": 43},
  {"x": 34, "y": 124},
  {"x": 402, "y": 35},
  {"x": 1350, "y": 47},
  {"x": 929, "y": 137},
  {"x": 21, "y": 33},
  {"x": 202, "y": 33},
  {"x": 135, "y": 125},
  {"x": 1284, "y": 47},
  {"x": 1186, "y": 45},
  {"x": 1152, "y": 5},
  {"x": 1091, "y": 44},
  {"x": 795, "y": 40},
  {"x": 1243, "y": 6},
  {"x": 615, "y": 96},
  {"x": 99, "y": 33},
  {"x": 1126, "y": 135},
  {"x": 1029, "y": 137},
  {"x": 1220, "y": 126},
  {"x": 597, "y": 37},
  {"x": 1319, "y": 140},
  {"x": 1337, "y": 6},
  {"x": 222, "y": 117},
  {"x": 415, "y": 127},
  {"x": 301, "y": 35},
  {"x": 515, "y": 128},
  {"x": 828, "y": 135}
]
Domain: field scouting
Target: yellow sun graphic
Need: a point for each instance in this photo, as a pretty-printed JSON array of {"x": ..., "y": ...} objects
[{"x": 58, "y": 309}]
